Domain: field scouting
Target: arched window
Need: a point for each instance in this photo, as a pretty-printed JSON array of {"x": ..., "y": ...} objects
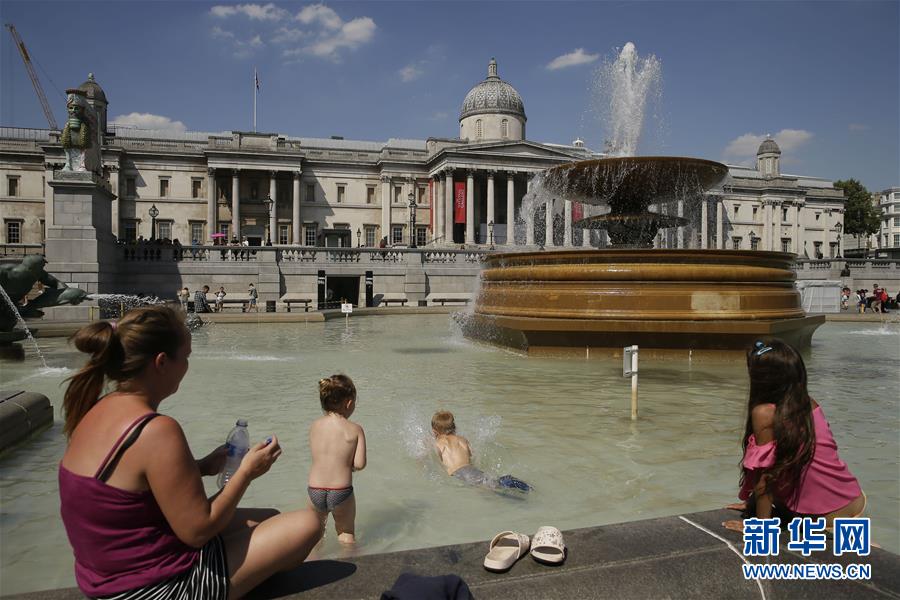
[
  {"x": 504, "y": 128},
  {"x": 478, "y": 130}
]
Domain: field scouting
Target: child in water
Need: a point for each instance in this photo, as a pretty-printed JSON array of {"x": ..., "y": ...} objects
[
  {"x": 338, "y": 448},
  {"x": 791, "y": 464},
  {"x": 456, "y": 456}
]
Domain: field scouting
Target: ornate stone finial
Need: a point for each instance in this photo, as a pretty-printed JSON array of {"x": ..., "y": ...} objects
[
  {"x": 90, "y": 77},
  {"x": 492, "y": 68}
]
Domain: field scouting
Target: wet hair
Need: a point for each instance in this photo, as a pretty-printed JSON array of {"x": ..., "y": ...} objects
[
  {"x": 119, "y": 351},
  {"x": 778, "y": 376},
  {"x": 334, "y": 391},
  {"x": 443, "y": 422}
]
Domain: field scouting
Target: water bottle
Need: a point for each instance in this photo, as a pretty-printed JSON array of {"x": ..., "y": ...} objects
[{"x": 237, "y": 444}]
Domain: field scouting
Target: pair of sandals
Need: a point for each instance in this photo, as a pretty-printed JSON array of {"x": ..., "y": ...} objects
[{"x": 547, "y": 547}]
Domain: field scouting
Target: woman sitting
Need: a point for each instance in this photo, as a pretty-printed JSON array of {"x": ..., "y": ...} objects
[{"x": 132, "y": 499}]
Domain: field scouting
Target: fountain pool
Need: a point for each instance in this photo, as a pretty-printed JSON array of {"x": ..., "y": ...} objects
[{"x": 563, "y": 425}]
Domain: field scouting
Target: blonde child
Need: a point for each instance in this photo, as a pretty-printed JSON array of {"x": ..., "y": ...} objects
[{"x": 338, "y": 448}]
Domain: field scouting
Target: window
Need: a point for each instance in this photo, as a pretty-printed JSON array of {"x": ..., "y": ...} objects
[
  {"x": 398, "y": 194},
  {"x": 163, "y": 187},
  {"x": 310, "y": 231},
  {"x": 43, "y": 231},
  {"x": 130, "y": 231},
  {"x": 197, "y": 236},
  {"x": 397, "y": 234},
  {"x": 833, "y": 249},
  {"x": 43, "y": 187},
  {"x": 12, "y": 186},
  {"x": 370, "y": 194},
  {"x": 341, "y": 189},
  {"x": 370, "y": 236},
  {"x": 421, "y": 236},
  {"x": 284, "y": 235},
  {"x": 164, "y": 230},
  {"x": 130, "y": 188},
  {"x": 13, "y": 232},
  {"x": 504, "y": 128},
  {"x": 310, "y": 192},
  {"x": 225, "y": 228},
  {"x": 736, "y": 243},
  {"x": 897, "y": 240},
  {"x": 784, "y": 215},
  {"x": 195, "y": 187},
  {"x": 479, "y": 129},
  {"x": 754, "y": 243},
  {"x": 818, "y": 250},
  {"x": 896, "y": 221},
  {"x": 420, "y": 199},
  {"x": 785, "y": 244}
]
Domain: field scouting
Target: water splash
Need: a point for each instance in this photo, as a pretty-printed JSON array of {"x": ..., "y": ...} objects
[
  {"x": 15, "y": 310},
  {"x": 621, "y": 89}
]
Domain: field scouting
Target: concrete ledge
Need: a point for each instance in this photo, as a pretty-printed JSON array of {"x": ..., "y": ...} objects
[
  {"x": 671, "y": 557},
  {"x": 22, "y": 415}
]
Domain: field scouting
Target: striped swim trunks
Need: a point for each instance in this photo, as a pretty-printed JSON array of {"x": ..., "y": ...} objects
[{"x": 206, "y": 580}]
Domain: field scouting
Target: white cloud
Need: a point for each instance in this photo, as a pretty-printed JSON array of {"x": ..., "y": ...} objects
[
  {"x": 218, "y": 32},
  {"x": 240, "y": 48},
  {"x": 351, "y": 35},
  {"x": 858, "y": 127},
  {"x": 286, "y": 35},
  {"x": 149, "y": 121},
  {"x": 319, "y": 13},
  {"x": 411, "y": 72},
  {"x": 256, "y": 12},
  {"x": 742, "y": 149},
  {"x": 572, "y": 59}
]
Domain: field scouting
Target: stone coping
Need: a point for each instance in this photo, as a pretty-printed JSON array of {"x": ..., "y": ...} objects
[{"x": 684, "y": 556}]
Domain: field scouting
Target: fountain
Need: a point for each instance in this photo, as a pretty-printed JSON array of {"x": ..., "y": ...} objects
[{"x": 669, "y": 302}]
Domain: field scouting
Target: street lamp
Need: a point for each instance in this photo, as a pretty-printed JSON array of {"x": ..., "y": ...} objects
[
  {"x": 269, "y": 204},
  {"x": 358, "y": 234},
  {"x": 838, "y": 227},
  {"x": 153, "y": 212},
  {"x": 412, "y": 219},
  {"x": 491, "y": 233}
]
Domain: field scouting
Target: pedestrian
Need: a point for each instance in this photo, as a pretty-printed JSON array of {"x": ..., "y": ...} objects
[
  {"x": 220, "y": 298},
  {"x": 184, "y": 296},
  {"x": 201, "y": 304},
  {"x": 254, "y": 295}
]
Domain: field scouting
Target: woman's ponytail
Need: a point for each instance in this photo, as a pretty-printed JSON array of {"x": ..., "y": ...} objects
[{"x": 98, "y": 339}]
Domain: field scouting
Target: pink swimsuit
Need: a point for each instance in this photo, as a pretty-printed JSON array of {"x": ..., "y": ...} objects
[{"x": 827, "y": 484}]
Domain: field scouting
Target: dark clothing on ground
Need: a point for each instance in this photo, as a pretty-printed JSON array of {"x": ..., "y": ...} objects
[{"x": 416, "y": 587}]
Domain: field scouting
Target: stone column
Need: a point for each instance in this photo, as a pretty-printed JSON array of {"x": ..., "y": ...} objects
[
  {"x": 436, "y": 212},
  {"x": 386, "y": 208},
  {"x": 510, "y": 209},
  {"x": 680, "y": 234},
  {"x": 799, "y": 238},
  {"x": 767, "y": 225},
  {"x": 704, "y": 223},
  {"x": 117, "y": 202},
  {"x": 211, "y": 208},
  {"x": 490, "y": 201},
  {"x": 529, "y": 216},
  {"x": 776, "y": 226},
  {"x": 567, "y": 226},
  {"x": 720, "y": 242},
  {"x": 236, "y": 203},
  {"x": 296, "y": 223},
  {"x": 449, "y": 208},
  {"x": 548, "y": 224},
  {"x": 470, "y": 207},
  {"x": 273, "y": 213}
]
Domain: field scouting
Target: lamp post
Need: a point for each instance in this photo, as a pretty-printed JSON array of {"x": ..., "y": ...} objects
[
  {"x": 753, "y": 238},
  {"x": 838, "y": 227},
  {"x": 491, "y": 233},
  {"x": 358, "y": 234},
  {"x": 153, "y": 212},
  {"x": 412, "y": 219},
  {"x": 269, "y": 203}
]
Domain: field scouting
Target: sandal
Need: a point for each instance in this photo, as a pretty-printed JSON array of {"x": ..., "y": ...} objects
[
  {"x": 548, "y": 546},
  {"x": 505, "y": 549}
]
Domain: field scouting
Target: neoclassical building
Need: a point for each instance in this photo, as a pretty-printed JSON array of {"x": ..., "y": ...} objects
[{"x": 335, "y": 192}]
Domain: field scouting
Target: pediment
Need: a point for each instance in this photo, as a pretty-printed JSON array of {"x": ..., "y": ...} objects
[{"x": 517, "y": 148}]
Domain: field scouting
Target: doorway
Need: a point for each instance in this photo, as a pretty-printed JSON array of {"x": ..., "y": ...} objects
[{"x": 341, "y": 288}]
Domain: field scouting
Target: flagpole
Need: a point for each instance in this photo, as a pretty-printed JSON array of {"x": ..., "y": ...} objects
[{"x": 255, "y": 93}]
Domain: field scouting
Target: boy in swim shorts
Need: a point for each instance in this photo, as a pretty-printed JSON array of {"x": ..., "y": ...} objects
[
  {"x": 456, "y": 456},
  {"x": 338, "y": 448}
]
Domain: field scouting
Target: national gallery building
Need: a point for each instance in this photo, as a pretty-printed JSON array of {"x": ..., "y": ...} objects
[{"x": 468, "y": 189}]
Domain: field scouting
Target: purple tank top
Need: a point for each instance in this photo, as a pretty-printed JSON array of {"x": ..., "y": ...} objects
[{"x": 121, "y": 539}]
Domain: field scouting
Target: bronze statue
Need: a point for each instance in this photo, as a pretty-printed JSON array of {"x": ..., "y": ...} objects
[{"x": 18, "y": 280}]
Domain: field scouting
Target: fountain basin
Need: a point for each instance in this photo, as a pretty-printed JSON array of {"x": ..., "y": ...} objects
[{"x": 666, "y": 301}]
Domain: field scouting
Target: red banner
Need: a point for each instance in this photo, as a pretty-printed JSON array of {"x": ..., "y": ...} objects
[
  {"x": 459, "y": 201},
  {"x": 577, "y": 211}
]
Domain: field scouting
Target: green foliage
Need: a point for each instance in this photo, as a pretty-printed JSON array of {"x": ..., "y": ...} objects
[{"x": 861, "y": 216}]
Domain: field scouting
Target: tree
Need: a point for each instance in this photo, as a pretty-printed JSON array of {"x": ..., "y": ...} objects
[{"x": 861, "y": 215}]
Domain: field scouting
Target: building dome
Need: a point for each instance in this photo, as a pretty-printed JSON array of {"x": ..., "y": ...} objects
[
  {"x": 92, "y": 89},
  {"x": 493, "y": 96},
  {"x": 768, "y": 147}
]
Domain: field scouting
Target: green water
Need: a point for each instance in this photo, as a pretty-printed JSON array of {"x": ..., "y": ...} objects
[{"x": 560, "y": 424}]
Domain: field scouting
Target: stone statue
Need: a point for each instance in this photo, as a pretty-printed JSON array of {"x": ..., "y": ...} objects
[
  {"x": 77, "y": 138},
  {"x": 17, "y": 281}
]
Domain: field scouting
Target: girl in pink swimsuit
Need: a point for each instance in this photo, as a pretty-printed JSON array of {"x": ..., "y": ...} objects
[{"x": 790, "y": 462}]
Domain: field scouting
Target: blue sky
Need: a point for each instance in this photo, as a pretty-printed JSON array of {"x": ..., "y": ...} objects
[{"x": 822, "y": 77}]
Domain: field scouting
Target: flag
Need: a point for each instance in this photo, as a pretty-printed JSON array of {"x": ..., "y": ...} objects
[{"x": 256, "y": 79}]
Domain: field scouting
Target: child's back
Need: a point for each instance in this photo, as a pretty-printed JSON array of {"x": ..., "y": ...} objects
[
  {"x": 333, "y": 442},
  {"x": 454, "y": 451}
]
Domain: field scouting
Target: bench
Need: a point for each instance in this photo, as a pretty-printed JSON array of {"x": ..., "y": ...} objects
[
  {"x": 304, "y": 301},
  {"x": 244, "y": 303},
  {"x": 388, "y": 301},
  {"x": 445, "y": 300}
]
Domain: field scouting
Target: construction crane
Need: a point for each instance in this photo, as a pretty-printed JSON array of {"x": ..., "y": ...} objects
[{"x": 33, "y": 75}]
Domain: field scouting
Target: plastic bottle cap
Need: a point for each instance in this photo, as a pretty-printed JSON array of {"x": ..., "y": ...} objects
[{"x": 241, "y": 423}]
